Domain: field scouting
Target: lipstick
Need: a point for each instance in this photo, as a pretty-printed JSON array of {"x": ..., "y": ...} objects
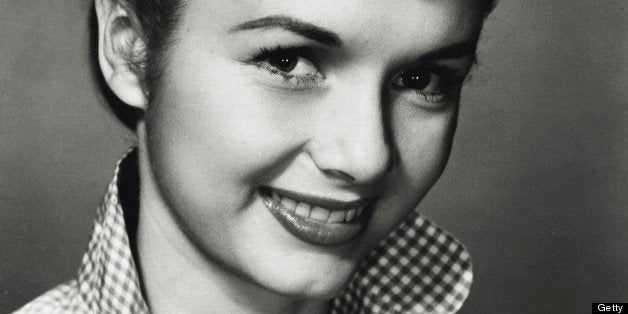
[{"x": 317, "y": 220}]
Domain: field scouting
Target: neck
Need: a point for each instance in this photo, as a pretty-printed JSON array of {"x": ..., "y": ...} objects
[{"x": 178, "y": 277}]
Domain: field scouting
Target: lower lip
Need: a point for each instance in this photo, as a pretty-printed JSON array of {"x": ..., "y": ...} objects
[{"x": 313, "y": 231}]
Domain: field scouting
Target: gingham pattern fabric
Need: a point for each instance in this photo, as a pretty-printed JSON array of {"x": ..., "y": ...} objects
[
  {"x": 107, "y": 279},
  {"x": 418, "y": 268}
]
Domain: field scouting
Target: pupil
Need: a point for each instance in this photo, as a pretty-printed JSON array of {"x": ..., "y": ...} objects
[
  {"x": 416, "y": 79},
  {"x": 283, "y": 61}
]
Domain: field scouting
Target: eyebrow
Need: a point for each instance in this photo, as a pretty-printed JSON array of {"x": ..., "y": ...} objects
[
  {"x": 458, "y": 50},
  {"x": 294, "y": 25}
]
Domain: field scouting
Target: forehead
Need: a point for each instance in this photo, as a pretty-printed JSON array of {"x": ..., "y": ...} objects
[{"x": 423, "y": 23}]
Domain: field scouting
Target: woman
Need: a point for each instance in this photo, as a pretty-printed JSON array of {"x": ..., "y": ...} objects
[{"x": 282, "y": 149}]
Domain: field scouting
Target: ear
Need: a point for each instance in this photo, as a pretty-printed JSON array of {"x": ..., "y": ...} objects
[{"x": 120, "y": 49}]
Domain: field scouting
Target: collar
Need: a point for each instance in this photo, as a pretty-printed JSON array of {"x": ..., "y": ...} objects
[{"x": 418, "y": 268}]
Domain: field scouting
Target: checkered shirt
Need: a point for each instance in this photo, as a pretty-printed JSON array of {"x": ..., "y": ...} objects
[{"x": 418, "y": 268}]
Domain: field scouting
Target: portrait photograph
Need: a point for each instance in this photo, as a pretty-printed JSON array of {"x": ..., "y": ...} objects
[{"x": 313, "y": 156}]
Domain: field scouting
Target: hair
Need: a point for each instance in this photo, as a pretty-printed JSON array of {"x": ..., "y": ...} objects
[{"x": 156, "y": 21}]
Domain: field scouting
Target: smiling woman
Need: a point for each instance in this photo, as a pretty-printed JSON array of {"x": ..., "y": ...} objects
[{"x": 282, "y": 150}]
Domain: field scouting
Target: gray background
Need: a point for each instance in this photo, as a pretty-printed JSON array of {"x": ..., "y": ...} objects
[{"x": 537, "y": 187}]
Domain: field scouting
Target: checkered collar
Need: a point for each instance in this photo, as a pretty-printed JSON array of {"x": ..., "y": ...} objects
[{"x": 418, "y": 268}]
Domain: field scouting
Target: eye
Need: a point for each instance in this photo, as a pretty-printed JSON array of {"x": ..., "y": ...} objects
[
  {"x": 288, "y": 61},
  {"x": 291, "y": 68},
  {"x": 283, "y": 61},
  {"x": 414, "y": 79},
  {"x": 423, "y": 84}
]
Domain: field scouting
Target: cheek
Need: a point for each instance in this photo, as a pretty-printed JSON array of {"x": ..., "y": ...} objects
[
  {"x": 210, "y": 145},
  {"x": 213, "y": 140},
  {"x": 423, "y": 142},
  {"x": 212, "y": 125},
  {"x": 422, "y": 145}
]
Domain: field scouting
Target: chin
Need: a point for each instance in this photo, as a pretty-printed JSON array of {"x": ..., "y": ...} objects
[
  {"x": 304, "y": 274},
  {"x": 321, "y": 284}
]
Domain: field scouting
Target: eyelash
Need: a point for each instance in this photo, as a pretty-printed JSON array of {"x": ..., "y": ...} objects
[
  {"x": 445, "y": 77},
  {"x": 291, "y": 80},
  {"x": 448, "y": 78}
]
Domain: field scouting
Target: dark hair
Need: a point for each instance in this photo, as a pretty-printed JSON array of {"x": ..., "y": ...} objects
[{"x": 157, "y": 21}]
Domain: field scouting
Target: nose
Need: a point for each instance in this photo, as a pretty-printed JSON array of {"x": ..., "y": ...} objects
[{"x": 351, "y": 141}]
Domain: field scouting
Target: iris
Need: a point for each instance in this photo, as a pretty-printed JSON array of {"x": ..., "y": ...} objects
[
  {"x": 415, "y": 79},
  {"x": 283, "y": 61}
]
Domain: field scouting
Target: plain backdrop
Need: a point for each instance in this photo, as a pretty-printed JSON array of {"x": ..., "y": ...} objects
[{"x": 537, "y": 184}]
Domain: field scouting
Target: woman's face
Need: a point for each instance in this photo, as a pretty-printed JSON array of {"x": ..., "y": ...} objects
[{"x": 289, "y": 137}]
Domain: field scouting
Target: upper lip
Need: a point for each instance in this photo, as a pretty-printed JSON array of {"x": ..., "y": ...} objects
[{"x": 324, "y": 202}]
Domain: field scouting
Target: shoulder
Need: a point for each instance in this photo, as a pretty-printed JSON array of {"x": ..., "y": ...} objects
[{"x": 63, "y": 298}]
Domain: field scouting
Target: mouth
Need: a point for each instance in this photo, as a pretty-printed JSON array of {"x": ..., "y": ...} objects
[{"x": 316, "y": 220}]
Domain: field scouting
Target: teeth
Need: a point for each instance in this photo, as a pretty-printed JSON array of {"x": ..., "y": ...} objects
[
  {"x": 337, "y": 216},
  {"x": 319, "y": 214},
  {"x": 359, "y": 211},
  {"x": 350, "y": 215},
  {"x": 303, "y": 209},
  {"x": 288, "y": 204}
]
